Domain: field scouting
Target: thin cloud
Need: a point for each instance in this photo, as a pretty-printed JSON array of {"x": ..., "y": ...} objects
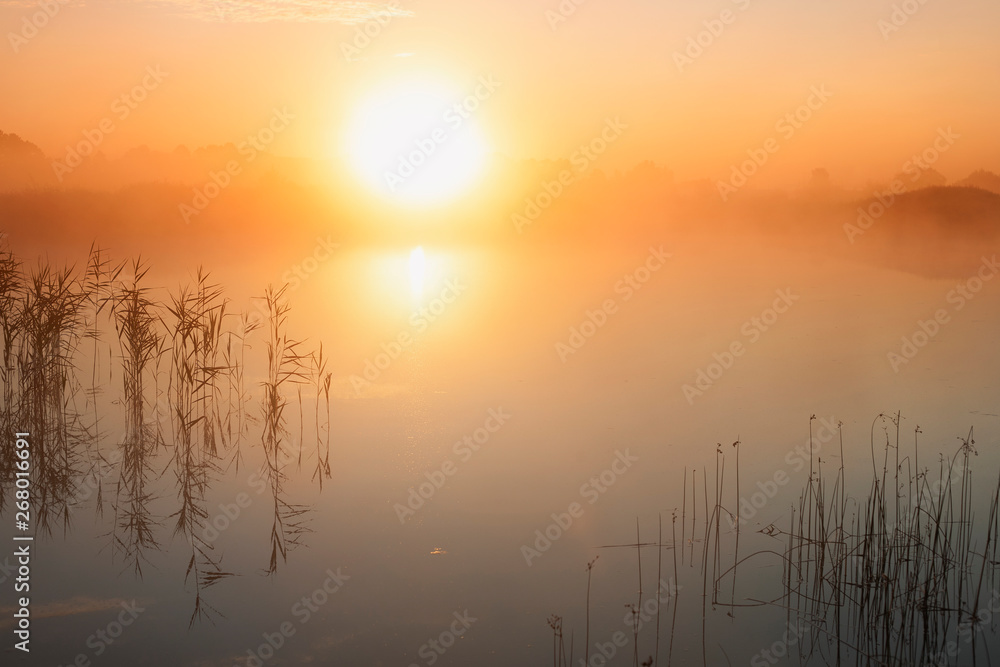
[
  {"x": 260, "y": 11},
  {"x": 34, "y": 4}
]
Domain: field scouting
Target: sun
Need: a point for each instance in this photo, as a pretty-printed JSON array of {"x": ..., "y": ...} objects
[{"x": 417, "y": 142}]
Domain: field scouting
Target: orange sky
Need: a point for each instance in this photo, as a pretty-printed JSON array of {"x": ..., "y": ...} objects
[{"x": 229, "y": 63}]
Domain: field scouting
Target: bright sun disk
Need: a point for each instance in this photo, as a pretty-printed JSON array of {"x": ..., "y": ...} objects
[{"x": 410, "y": 143}]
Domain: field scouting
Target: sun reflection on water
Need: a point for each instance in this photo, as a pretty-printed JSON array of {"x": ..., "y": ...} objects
[{"x": 418, "y": 273}]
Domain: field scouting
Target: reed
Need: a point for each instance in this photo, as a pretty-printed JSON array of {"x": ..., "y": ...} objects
[
  {"x": 11, "y": 288},
  {"x": 183, "y": 398},
  {"x": 99, "y": 281},
  {"x": 321, "y": 380},
  {"x": 896, "y": 577},
  {"x": 236, "y": 424},
  {"x": 141, "y": 339},
  {"x": 896, "y": 580},
  {"x": 558, "y": 642},
  {"x": 285, "y": 366},
  {"x": 196, "y": 332},
  {"x": 47, "y": 330}
]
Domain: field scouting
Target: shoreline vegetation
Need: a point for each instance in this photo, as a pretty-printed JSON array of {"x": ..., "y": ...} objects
[
  {"x": 905, "y": 575},
  {"x": 183, "y": 400}
]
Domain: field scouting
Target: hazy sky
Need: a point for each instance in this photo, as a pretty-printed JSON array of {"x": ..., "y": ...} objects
[{"x": 229, "y": 64}]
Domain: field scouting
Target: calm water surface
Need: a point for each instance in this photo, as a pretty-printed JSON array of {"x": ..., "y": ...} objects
[{"x": 482, "y": 407}]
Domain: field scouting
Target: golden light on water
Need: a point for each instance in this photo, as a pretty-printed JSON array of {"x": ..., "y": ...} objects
[
  {"x": 398, "y": 280},
  {"x": 418, "y": 272}
]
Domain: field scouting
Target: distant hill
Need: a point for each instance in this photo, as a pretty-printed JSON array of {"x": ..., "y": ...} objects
[
  {"x": 951, "y": 208},
  {"x": 982, "y": 179},
  {"x": 22, "y": 164},
  {"x": 927, "y": 178},
  {"x": 13, "y": 145}
]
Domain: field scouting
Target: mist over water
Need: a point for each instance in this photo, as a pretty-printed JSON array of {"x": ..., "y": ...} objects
[{"x": 496, "y": 429}]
